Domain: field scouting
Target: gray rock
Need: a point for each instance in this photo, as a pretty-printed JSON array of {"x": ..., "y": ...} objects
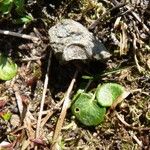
[{"x": 70, "y": 40}]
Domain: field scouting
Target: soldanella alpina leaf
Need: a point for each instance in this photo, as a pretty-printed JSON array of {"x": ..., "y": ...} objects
[
  {"x": 87, "y": 111},
  {"x": 107, "y": 93},
  {"x": 8, "y": 69},
  {"x": 90, "y": 108}
]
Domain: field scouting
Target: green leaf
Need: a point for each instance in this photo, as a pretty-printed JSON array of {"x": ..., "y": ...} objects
[
  {"x": 8, "y": 69},
  {"x": 19, "y": 6},
  {"x": 108, "y": 93},
  {"x": 87, "y": 111},
  {"x": 88, "y": 77},
  {"x": 24, "y": 19},
  {"x": 5, "y": 6},
  {"x": 6, "y": 116}
]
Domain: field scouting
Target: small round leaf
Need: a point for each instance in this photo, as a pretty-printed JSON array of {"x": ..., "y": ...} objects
[
  {"x": 87, "y": 111},
  {"x": 8, "y": 69},
  {"x": 108, "y": 93}
]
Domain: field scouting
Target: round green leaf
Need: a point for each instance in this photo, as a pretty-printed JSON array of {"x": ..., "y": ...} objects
[
  {"x": 87, "y": 111},
  {"x": 108, "y": 93},
  {"x": 8, "y": 69}
]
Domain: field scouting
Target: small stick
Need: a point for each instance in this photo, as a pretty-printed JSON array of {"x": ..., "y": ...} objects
[
  {"x": 32, "y": 58},
  {"x": 21, "y": 106},
  {"x": 136, "y": 139},
  {"x": 140, "y": 69},
  {"x": 61, "y": 118},
  {"x": 51, "y": 112},
  {"x": 128, "y": 125},
  {"x": 24, "y": 36},
  {"x": 88, "y": 84},
  {"x": 19, "y": 102},
  {"x": 43, "y": 97},
  {"x": 139, "y": 20},
  {"x": 96, "y": 22}
]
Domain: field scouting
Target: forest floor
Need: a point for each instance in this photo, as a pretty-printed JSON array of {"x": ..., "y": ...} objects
[{"x": 32, "y": 101}]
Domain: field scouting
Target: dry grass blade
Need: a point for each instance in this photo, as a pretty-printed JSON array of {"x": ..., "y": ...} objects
[
  {"x": 28, "y": 124},
  {"x": 123, "y": 40},
  {"x": 19, "y": 102},
  {"x": 43, "y": 97},
  {"x": 119, "y": 99},
  {"x": 50, "y": 113},
  {"x": 61, "y": 118},
  {"x": 140, "y": 69}
]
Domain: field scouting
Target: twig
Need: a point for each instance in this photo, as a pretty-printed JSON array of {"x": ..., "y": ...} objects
[
  {"x": 128, "y": 125},
  {"x": 24, "y": 36},
  {"x": 88, "y": 84},
  {"x": 117, "y": 70},
  {"x": 43, "y": 97},
  {"x": 51, "y": 112},
  {"x": 96, "y": 22},
  {"x": 140, "y": 69},
  {"x": 61, "y": 118},
  {"x": 19, "y": 102},
  {"x": 21, "y": 106},
  {"x": 138, "y": 19},
  {"x": 32, "y": 58},
  {"x": 136, "y": 139}
]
